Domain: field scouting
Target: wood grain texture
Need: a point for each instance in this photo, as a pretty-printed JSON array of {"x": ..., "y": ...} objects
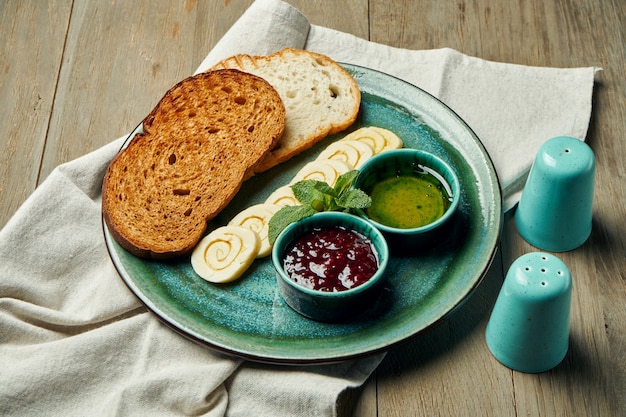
[
  {"x": 33, "y": 36},
  {"x": 428, "y": 374},
  {"x": 590, "y": 381},
  {"x": 75, "y": 75},
  {"x": 118, "y": 61},
  {"x": 347, "y": 16}
]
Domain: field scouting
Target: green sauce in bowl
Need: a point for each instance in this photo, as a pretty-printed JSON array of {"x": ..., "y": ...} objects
[
  {"x": 414, "y": 196},
  {"x": 409, "y": 201}
]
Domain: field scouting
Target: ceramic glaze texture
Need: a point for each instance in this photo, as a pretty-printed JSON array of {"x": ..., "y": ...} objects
[
  {"x": 555, "y": 210},
  {"x": 529, "y": 326},
  {"x": 249, "y": 318}
]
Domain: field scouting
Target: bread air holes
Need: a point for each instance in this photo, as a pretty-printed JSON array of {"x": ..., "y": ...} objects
[
  {"x": 333, "y": 91},
  {"x": 240, "y": 100},
  {"x": 172, "y": 159}
]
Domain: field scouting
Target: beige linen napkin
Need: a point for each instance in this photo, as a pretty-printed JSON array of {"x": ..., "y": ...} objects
[{"x": 74, "y": 341}]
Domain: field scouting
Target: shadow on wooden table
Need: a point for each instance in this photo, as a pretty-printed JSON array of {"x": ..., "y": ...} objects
[
  {"x": 452, "y": 333},
  {"x": 456, "y": 335}
]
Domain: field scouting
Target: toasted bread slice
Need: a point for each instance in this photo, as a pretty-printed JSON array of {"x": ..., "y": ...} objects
[
  {"x": 198, "y": 144},
  {"x": 320, "y": 96}
]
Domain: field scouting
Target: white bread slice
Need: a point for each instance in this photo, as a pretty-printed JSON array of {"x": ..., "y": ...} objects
[
  {"x": 320, "y": 97},
  {"x": 199, "y": 143}
]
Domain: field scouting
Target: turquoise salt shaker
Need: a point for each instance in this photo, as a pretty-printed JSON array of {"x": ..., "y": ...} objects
[
  {"x": 555, "y": 210},
  {"x": 528, "y": 329}
]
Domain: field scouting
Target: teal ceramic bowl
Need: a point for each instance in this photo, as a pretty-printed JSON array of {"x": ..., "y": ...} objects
[
  {"x": 339, "y": 306},
  {"x": 411, "y": 163}
]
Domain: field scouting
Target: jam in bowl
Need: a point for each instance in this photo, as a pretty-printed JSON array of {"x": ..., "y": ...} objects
[{"x": 330, "y": 266}]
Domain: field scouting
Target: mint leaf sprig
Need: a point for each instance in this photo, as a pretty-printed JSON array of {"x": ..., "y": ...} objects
[{"x": 316, "y": 196}]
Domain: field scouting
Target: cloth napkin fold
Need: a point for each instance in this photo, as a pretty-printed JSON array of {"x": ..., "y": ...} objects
[{"x": 75, "y": 341}]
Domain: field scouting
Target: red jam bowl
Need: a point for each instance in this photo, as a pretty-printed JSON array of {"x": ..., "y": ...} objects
[{"x": 331, "y": 300}]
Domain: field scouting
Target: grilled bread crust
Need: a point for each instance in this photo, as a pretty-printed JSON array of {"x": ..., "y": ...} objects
[
  {"x": 320, "y": 97},
  {"x": 203, "y": 138}
]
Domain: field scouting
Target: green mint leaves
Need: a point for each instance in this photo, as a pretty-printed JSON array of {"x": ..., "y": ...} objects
[
  {"x": 284, "y": 217},
  {"x": 317, "y": 196}
]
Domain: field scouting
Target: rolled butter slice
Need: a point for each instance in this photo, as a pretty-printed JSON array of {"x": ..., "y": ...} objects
[
  {"x": 378, "y": 138},
  {"x": 257, "y": 218},
  {"x": 225, "y": 253},
  {"x": 392, "y": 141},
  {"x": 283, "y": 196},
  {"x": 326, "y": 170},
  {"x": 352, "y": 152}
]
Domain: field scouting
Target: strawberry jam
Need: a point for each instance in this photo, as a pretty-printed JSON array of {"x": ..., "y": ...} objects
[{"x": 330, "y": 259}]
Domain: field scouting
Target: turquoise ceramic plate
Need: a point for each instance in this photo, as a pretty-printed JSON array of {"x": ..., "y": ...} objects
[{"x": 249, "y": 319}]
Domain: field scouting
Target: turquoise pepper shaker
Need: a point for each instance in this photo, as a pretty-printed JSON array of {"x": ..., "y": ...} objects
[
  {"x": 528, "y": 330},
  {"x": 555, "y": 210}
]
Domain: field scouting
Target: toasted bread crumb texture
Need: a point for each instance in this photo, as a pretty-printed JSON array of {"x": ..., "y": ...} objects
[
  {"x": 320, "y": 97},
  {"x": 198, "y": 143}
]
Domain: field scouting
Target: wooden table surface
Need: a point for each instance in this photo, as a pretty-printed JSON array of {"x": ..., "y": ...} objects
[{"x": 75, "y": 75}]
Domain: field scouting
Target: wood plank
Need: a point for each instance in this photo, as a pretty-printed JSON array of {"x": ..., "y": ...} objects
[
  {"x": 347, "y": 16},
  {"x": 149, "y": 47},
  {"x": 586, "y": 377},
  {"x": 32, "y": 36},
  {"x": 107, "y": 87},
  {"x": 605, "y": 253},
  {"x": 562, "y": 34},
  {"x": 213, "y": 19},
  {"x": 448, "y": 371},
  {"x": 593, "y": 375}
]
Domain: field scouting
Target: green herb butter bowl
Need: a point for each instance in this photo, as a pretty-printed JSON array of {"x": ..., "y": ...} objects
[
  {"x": 324, "y": 306},
  {"x": 415, "y": 196}
]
